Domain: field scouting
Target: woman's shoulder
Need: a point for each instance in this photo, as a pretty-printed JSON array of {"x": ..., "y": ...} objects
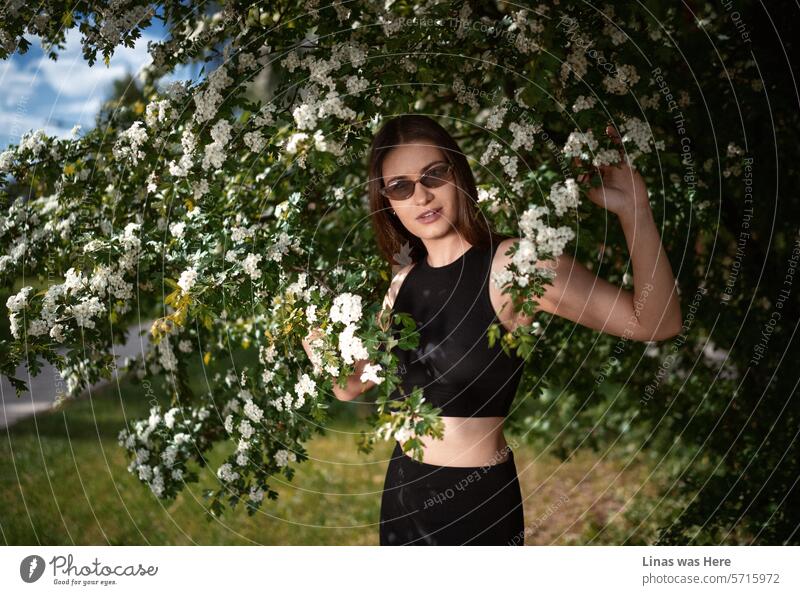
[{"x": 400, "y": 275}]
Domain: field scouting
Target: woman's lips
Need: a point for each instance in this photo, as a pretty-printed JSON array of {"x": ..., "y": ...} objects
[{"x": 431, "y": 217}]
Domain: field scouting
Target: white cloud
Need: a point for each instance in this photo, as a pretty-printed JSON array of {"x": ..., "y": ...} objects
[
  {"x": 15, "y": 124},
  {"x": 72, "y": 76},
  {"x": 55, "y": 95}
]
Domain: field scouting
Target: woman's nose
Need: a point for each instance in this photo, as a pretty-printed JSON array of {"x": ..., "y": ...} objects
[{"x": 422, "y": 194}]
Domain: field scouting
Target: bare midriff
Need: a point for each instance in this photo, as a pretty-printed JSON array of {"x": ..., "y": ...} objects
[{"x": 467, "y": 442}]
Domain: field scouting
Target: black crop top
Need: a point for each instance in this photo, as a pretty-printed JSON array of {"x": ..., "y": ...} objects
[{"x": 453, "y": 363}]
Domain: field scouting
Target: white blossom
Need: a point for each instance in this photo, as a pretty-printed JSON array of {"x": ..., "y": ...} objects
[
  {"x": 86, "y": 310},
  {"x": 250, "y": 265},
  {"x": 187, "y": 279},
  {"x": 253, "y": 411},
  {"x": 371, "y": 373},
  {"x": 580, "y": 144},
  {"x": 256, "y": 494},
  {"x": 582, "y": 103},
  {"x": 283, "y": 457},
  {"x": 226, "y": 473},
  {"x": 177, "y": 229},
  {"x": 305, "y": 386},
  {"x": 255, "y": 141},
  {"x": 351, "y": 346},
  {"x": 346, "y": 308},
  {"x": 129, "y": 144},
  {"x": 564, "y": 196}
]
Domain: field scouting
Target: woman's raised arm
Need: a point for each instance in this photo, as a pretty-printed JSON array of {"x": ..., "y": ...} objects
[{"x": 652, "y": 311}]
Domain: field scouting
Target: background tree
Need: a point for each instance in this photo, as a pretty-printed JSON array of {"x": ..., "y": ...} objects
[{"x": 220, "y": 213}]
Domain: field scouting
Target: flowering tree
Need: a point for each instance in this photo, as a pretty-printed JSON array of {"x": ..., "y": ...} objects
[{"x": 238, "y": 218}]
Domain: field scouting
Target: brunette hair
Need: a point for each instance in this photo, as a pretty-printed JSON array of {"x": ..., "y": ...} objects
[{"x": 389, "y": 232}]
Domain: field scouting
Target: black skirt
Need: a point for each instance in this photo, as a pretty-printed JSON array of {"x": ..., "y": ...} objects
[{"x": 424, "y": 504}]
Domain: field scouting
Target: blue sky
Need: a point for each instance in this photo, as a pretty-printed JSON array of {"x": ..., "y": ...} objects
[{"x": 37, "y": 92}]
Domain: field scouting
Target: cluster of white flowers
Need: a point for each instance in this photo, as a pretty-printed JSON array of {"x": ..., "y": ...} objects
[
  {"x": 580, "y": 144},
  {"x": 106, "y": 280},
  {"x": 129, "y": 143},
  {"x": 638, "y": 132},
  {"x": 253, "y": 411},
  {"x": 239, "y": 234},
  {"x": 624, "y": 78},
  {"x": 575, "y": 63},
  {"x": 118, "y": 20},
  {"x": 131, "y": 246},
  {"x": 209, "y": 99},
  {"x": 734, "y": 150},
  {"x": 525, "y": 259},
  {"x": 582, "y": 103},
  {"x": 293, "y": 141},
  {"x": 6, "y": 160},
  {"x": 311, "y": 313},
  {"x": 285, "y": 402},
  {"x": 350, "y": 346},
  {"x": 538, "y": 241},
  {"x": 617, "y": 35},
  {"x": 255, "y": 141},
  {"x": 510, "y": 165},
  {"x": 157, "y": 112},
  {"x": 85, "y": 310},
  {"x": 308, "y": 114},
  {"x": 404, "y": 432},
  {"x": 488, "y": 194},
  {"x": 187, "y": 279},
  {"x": 226, "y": 473},
  {"x": 605, "y": 157},
  {"x": 169, "y": 417},
  {"x": 492, "y": 150},
  {"x": 201, "y": 188},
  {"x": 281, "y": 245},
  {"x": 304, "y": 386},
  {"x": 304, "y": 116},
  {"x": 35, "y": 142},
  {"x": 264, "y": 116},
  {"x": 371, "y": 372},
  {"x": 564, "y": 196},
  {"x": 246, "y": 429},
  {"x": 283, "y": 457},
  {"x": 250, "y": 265},
  {"x": 246, "y": 61},
  {"x": 400, "y": 427},
  {"x": 177, "y": 229},
  {"x": 356, "y": 84},
  {"x": 524, "y": 135},
  {"x": 553, "y": 240},
  {"x": 176, "y": 451},
  {"x": 166, "y": 356},
  {"x": 15, "y": 304},
  {"x": 464, "y": 94},
  {"x": 215, "y": 151},
  {"x": 346, "y": 308},
  {"x": 495, "y": 118},
  {"x": 184, "y": 164}
]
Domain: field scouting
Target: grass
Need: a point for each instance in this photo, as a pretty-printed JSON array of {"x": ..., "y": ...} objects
[{"x": 63, "y": 481}]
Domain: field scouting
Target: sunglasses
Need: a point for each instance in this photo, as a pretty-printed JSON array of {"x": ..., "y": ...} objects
[{"x": 434, "y": 177}]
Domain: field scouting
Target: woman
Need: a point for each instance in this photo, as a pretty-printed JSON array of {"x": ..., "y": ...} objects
[{"x": 422, "y": 193}]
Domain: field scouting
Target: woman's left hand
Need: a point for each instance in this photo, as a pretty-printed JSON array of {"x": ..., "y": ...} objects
[{"x": 622, "y": 189}]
